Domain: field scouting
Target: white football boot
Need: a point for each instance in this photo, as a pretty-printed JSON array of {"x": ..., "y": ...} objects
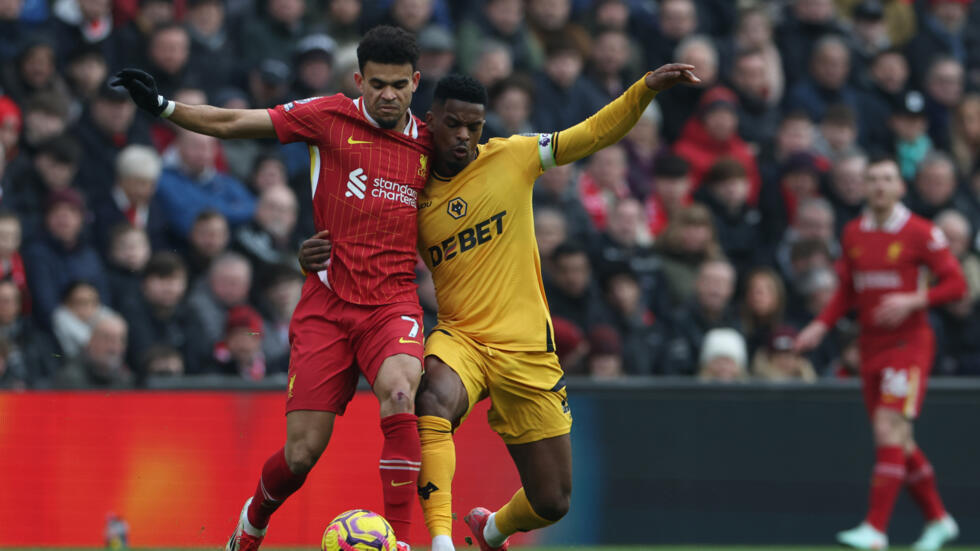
[
  {"x": 864, "y": 536},
  {"x": 936, "y": 534}
]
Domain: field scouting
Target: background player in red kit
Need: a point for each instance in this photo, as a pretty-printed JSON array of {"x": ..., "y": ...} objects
[
  {"x": 884, "y": 251},
  {"x": 368, "y": 161}
]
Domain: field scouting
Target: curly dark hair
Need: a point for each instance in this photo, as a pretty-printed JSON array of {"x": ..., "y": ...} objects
[
  {"x": 461, "y": 87},
  {"x": 388, "y": 45}
]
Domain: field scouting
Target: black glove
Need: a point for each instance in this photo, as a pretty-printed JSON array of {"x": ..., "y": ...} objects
[{"x": 143, "y": 89}]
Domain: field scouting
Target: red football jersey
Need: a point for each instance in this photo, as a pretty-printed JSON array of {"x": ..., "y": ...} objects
[
  {"x": 364, "y": 182},
  {"x": 877, "y": 261}
]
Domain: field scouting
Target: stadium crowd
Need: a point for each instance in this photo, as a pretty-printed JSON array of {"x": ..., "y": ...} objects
[{"x": 698, "y": 246}]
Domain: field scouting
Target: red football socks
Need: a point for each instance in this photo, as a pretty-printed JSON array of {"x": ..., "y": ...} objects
[
  {"x": 401, "y": 458},
  {"x": 921, "y": 482},
  {"x": 886, "y": 481},
  {"x": 276, "y": 484}
]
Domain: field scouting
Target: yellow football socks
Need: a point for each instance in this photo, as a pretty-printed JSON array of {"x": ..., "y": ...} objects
[
  {"x": 436, "y": 476},
  {"x": 517, "y": 515}
]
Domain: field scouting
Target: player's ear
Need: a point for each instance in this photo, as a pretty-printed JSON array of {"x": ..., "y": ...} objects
[
  {"x": 429, "y": 117},
  {"x": 416, "y": 76},
  {"x": 359, "y": 81}
]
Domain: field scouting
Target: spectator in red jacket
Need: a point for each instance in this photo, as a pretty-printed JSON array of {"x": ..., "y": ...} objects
[{"x": 713, "y": 133}]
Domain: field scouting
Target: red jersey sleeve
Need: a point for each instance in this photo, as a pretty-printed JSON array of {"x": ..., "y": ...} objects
[
  {"x": 843, "y": 298},
  {"x": 950, "y": 283},
  {"x": 303, "y": 120}
]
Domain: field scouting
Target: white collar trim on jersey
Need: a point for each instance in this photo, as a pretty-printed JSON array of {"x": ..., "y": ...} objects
[
  {"x": 893, "y": 224},
  {"x": 411, "y": 129}
]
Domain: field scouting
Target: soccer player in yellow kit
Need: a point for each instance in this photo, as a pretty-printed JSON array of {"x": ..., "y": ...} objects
[{"x": 494, "y": 336}]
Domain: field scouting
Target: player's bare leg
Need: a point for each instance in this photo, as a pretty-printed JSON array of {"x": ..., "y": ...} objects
[
  {"x": 395, "y": 387},
  {"x": 307, "y": 435},
  {"x": 440, "y": 405},
  {"x": 545, "y": 467}
]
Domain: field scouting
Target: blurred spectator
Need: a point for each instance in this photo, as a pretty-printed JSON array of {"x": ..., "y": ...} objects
[
  {"x": 838, "y": 133},
  {"x": 163, "y": 361},
  {"x": 209, "y": 238},
  {"x": 274, "y": 35},
  {"x": 814, "y": 221},
  {"x": 52, "y": 168},
  {"x": 934, "y": 187},
  {"x": 84, "y": 22},
  {"x": 13, "y": 372},
  {"x": 437, "y": 57},
  {"x": 725, "y": 191},
  {"x": 958, "y": 232},
  {"x": 563, "y": 96},
  {"x": 228, "y": 283},
  {"x": 313, "y": 63},
  {"x": 550, "y": 231},
  {"x": 778, "y": 363},
  {"x": 796, "y": 134},
  {"x": 168, "y": 58},
  {"x": 610, "y": 69},
  {"x": 86, "y": 70},
  {"x": 806, "y": 256},
  {"x": 105, "y": 129},
  {"x": 343, "y": 21},
  {"x": 627, "y": 242},
  {"x": 13, "y": 31},
  {"x": 942, "y": 31},
  {"x": 240, "y": 350},
  {"x": 510, "y": 108},
  {"x": 753, "y": 33},
  {"x": 268, "y": 82},
  {"x": 965, "y": 134},
  {"x": 677, "y": 19},
  {"x": 131, "y": 40},
  {"x": 193, "y": 186},
  {"x": 723, "y": 357},
  {"x": 35, "y": 70},
  {"x": 570, "y": 345},
  {"x": 887, "y": 78},
  {"x": 758, "y": 114},
  {"x": 11, "y": 262},
  {"x": 827, "y": 81},
  {"x": 411, "y": 15},
  {"x": 677, "y": 109},
  {"x": 846, "y": 188},
  {"x": 159, "y": 316},
  {"x": 764, "y": 307},
  {"x": 11, "y": 123},
  {"x": 799, "y": 179},
  {"x": 899, "y": 17},
  {"x": 132, "y": 199},
  {"x": 710, "y": 307},
  {"x": 605, "y": 359},
  {"x": 102, "y": 363},
  {"x": 712, "y": 134},
  {"x": 268, "y": 240},
  {"x": 572, "y": 292},
  {"x": 267, "y": 171},
  {"x": 62, "y": 256},
  {"x": 72, "y": 320},
  {"x": 807, "y": 22},
  {"x": 645, "y": 340},
  {"x": 671, "y": 191},
  {"x": 550, "y": 20},
  {"x": 33, "y": 356},
  {"x": 494, "y": 63},
  {"x": 909, "y": 125},
  {"x": 943, "y": 92},
  {"x": 279, "y": 298},
  {"x": 501, "y": 21},
  {"x": 869, "y": 34},
  {"x": 958, "y": 349},
  {"x": 603, "y": 183},
  {"x": 45, "y": 116},
  {"x": 688, "y": 241},
  {"x": 214, "y": 51},
  {"x": 642, "y": 145},
  {"x": 128, "y": 253}
]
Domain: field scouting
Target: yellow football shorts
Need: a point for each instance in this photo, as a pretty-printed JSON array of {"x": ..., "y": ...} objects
[{"x": 527, "y": 388}]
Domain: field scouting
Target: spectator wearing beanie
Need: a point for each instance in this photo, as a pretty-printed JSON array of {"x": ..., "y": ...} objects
[
  {"x": 723, "y": 357},
  {"x": 778, "y": 363},
  {"x": 239, "y": 353},
  {"x": 605, "y": 360}
]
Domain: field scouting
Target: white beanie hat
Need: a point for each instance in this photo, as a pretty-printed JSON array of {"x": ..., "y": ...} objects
[{"x": 724, "y": 342}]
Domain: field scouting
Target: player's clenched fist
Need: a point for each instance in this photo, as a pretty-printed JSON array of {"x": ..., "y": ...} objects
[
  {"x": 315, "y": 252},
  {"x": 669, "y": 75},
  {"x": 143, "y": 89}
]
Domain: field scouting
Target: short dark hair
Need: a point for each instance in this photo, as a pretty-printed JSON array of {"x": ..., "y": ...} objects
[
  {"x": 460, "y": 87},
  {"x": 388, "y": 45},
  {"x": 7, "y": 214},
  {"x": 568, "y": 248},
  {"x": 805, "y": 248},
  {"x": 207, "y": 215},
  {"x": 878, "y": 157},
  {"x": 840, "y": 114},
  {"x": 671, "y": 165},
  {"x": 76, "y": 285},
  {"x": 616, "y": 270},
  {"x": 164, "y": 264},
  {"x": 63, "y": 148},
  {"x": 518, "y": 82},
  {"x": 724, "y": 169}
]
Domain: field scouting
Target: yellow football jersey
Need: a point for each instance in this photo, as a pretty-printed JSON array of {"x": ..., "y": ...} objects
[{"x": 476, "y": 235}]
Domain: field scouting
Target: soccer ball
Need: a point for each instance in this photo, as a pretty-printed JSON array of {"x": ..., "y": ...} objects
[{"x": 358, "y": 530}]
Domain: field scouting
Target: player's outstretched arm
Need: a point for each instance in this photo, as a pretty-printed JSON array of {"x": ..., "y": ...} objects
[
  {"x": 615, "y": 120},
  {"x": 204, "y": 119}
]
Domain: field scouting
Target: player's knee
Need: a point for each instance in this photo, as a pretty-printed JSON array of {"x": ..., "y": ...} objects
[
  {"x": 890, "y": 428},
  {"x": 301, "y": 456},
  {"x": 432, "y": 402},
  {"x": 552, "y": 506},
  {"x": 398, "y": 399}
]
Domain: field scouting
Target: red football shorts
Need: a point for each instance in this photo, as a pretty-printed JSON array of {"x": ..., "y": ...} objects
[
  {"x": 332, "y": 341},
  {"x": 894, "y": 371}
]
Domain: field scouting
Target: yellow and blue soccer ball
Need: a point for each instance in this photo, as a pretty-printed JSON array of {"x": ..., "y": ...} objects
[{"x": 358, "y": 530}]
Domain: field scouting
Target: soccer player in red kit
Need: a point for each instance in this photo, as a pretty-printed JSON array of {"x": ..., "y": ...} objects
[
  {"x": 884, "y": 251},
  {"x": 368, "y": 162}
]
